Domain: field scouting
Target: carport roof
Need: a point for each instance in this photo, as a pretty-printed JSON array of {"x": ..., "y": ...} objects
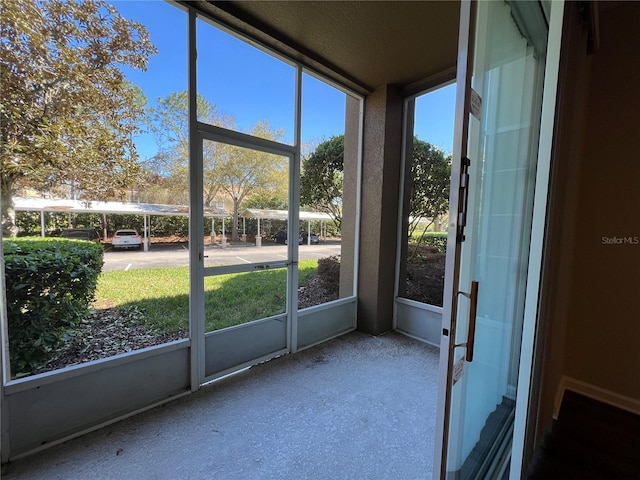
[
  {"x": 283, "y": 214},
  {"x": 77, "y": 206}
]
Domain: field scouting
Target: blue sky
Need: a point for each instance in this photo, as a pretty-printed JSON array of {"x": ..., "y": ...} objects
[
  {"x": 434, "y": 117},
  {"x": 251, "y": 85}
]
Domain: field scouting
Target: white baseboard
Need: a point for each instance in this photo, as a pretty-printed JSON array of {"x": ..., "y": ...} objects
[{"x": 597, "y": 393}]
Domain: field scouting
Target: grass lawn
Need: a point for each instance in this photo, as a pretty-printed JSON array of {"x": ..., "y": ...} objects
[{"x": 163, "y": 295}]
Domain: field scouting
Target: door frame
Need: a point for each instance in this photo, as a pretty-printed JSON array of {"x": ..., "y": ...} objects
[
  {"x": 198, "y": 133},
  {"x": 206, "y": 132},
  {"x": 452, "y": 264},
  {"x": 528, "y": 372}
]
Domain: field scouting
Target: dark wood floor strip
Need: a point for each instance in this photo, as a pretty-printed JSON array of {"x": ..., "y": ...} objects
[{"x": 589, "y": 441}]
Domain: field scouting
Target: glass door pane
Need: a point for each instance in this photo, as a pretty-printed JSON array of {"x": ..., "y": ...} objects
[
  {"x": 502, "y": 147},
  {"x": 246, "y": 262}
]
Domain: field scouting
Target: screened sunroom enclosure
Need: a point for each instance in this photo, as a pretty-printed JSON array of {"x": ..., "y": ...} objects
[{"x": 47, "y": 408}]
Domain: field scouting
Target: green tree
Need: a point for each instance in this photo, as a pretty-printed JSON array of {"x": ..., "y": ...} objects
[
  {"x": 244, "y": 172},
  {"x": 168, "y": 120},
  {"x": 430, "y": 174},
  {"x": 322, "y": 176},
  {"x": 67, "y": 114},
  {"x": 266, "y": 200},
  {"x": 234, "y": 172}
]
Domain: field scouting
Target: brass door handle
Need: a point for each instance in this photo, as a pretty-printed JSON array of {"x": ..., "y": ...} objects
[
  {"x": 471, "y": 336},
  {"x": 473, "y": 308}
]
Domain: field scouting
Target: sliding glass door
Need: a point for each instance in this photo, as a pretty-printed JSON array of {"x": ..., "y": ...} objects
[{"x": 493, "y": 179}]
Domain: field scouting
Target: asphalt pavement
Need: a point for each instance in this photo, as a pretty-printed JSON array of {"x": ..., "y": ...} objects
[{"x": 177, "y": 254}]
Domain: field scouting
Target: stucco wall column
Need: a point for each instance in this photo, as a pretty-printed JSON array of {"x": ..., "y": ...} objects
[{"x": 379, "y": 217}]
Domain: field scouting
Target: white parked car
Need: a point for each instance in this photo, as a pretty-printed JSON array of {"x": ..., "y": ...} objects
[{"x": 126, "y": 238}]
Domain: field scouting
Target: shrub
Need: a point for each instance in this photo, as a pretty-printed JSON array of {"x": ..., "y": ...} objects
[
  {"x": 435, "y": 239},
  {"x": 50, "y": 284},
  {"x": 28, "y": 223},
  {"x": 166, "y": 225},
  {"x": 329, "y": 273},
  {"x": 331, "y": 229}
]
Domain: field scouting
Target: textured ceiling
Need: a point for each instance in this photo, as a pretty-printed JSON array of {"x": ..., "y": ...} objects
[{"x": 369, "y": 43}]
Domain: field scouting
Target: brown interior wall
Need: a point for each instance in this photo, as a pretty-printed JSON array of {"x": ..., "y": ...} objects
[
  {"x": 603, "y": 330},
  {"x": 560, "y": 231},
  {"x": 590, "y": 323}
]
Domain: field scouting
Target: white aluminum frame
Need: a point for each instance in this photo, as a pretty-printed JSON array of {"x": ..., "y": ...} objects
[
  {"x": 526, "y": 371},
  {"x": 4, "y": 359},
  {"x": 242, "y": 140},
  {"x": 196, "y": 223},
  {"x": 434, "y": 83},
  {"x": 200, "y": 131},
  {"x": 452, "y": 267},
  {"x": 293, "y": 224}
]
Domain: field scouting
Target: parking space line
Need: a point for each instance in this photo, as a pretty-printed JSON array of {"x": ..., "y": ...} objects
[
  {"x": 184, "y": 247},
  {"x": 243, "y": 259},
  {"x": 127, "y": 267},
  {"x": 283, "y": 256}
]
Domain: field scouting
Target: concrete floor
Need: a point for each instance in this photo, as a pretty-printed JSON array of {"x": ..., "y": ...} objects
[{"x": 357, "y": 407}]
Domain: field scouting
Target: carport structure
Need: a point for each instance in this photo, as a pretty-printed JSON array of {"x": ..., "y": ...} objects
[
  {"x": 283, "y": 215},
  {"x": 43, "y": 205}
]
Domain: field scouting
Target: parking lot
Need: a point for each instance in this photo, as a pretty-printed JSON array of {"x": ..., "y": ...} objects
[{"x": 177, "y": 254}]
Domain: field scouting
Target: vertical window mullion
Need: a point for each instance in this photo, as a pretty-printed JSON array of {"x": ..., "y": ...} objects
[
  {"x": 196, "y": 227},
  {"x": 294, "y": 215}
]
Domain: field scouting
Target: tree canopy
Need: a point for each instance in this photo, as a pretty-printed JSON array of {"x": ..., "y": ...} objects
[
  {"x": 237, "y": 173},
  {"x": 168, "y": 120},
  {"x": 67, "y": 113},
  {"x": 245, "y": 172},
  {"x": 321, "y": 178},
  {"x": 430, "y": 173}
]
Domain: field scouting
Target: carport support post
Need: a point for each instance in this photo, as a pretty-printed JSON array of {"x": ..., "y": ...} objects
[
  {"x": 224, "y": 237},
  {"x": 42, "y": 232},
  {"x": 213, "y": 231},
  {"x": 243, "y": 237},
  {"x": 258, "y": 237},
  {"x": 145, "y": 238},
  {"x": 308, "y": 232}
]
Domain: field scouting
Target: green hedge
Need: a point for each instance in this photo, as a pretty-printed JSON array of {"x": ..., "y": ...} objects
[
  {"x": 50, "y": 285},
  {"x": 436, "y": 239},
  {"x": 433, "y": 239}
]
